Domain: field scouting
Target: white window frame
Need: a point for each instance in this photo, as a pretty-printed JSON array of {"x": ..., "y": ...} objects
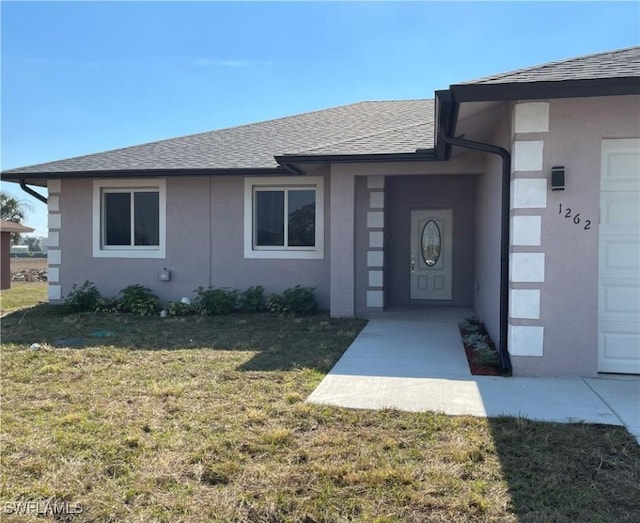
[
  {"x": 283, "y": 183},
  {"x": 128, "y": 251}
]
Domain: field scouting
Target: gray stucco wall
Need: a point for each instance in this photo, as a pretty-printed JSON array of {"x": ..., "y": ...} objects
[
  {"x": 204, "y": 240},
  {"x": 487, "y": 230},
  {"x": 406, "y": 193},
  {"x": 341, "y": 218},
  {"x": 569, "y": 293}
]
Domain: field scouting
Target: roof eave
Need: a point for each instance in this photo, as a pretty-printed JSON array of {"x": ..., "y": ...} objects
[
  {"x": 10, "y": 176},
  {"x": 419, "y": 155},
  {"x": 550, "y": 89},
  {"x": 445, "y": 119},
  {"x": 9, "y": 226}
]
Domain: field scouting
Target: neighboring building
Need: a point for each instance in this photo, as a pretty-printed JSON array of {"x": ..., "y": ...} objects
[
  {"x": 19, "y": 249},
  {"x": 6, "y": 230},
  {"x": 531, "y": 218}
]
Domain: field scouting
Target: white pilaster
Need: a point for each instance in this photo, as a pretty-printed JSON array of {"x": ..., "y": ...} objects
[{"x": 526, "y": 340}]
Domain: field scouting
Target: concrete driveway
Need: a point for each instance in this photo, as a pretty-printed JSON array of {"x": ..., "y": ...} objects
[{"x": 413, "y": 360}]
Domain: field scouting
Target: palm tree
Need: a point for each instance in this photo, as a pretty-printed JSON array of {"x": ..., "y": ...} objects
[{"x": 13, "y": 210}]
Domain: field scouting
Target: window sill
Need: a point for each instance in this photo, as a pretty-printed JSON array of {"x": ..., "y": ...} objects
[
  {"x": 130, "y": 253},
  {"x": 284, "y": 254}
]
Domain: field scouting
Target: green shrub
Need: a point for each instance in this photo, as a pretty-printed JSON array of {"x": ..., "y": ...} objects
[
  {"x": 300, "y": 301},
  {"x": 215, "y": 301},
  {"x": 83, "y": 298},
  {"x": 275, "y": 304},
  {"x": 253, "y": 299},
  {"x": 474, "y": 339},
  {"x": 486, "y": 356},
  {"x": 108, "y": 305},
  {"x": 471, "y": 324},
  {"x": 30, "y": 254},
  {"x": 139, "y": 300},
  {"x": 475, "y": 336},
  {"x": 177, "y": 308}
]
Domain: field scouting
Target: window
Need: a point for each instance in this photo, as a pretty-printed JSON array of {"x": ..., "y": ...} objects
[
  {"x": 129, "y": 219},
  {"x": 284, "y": 219}
]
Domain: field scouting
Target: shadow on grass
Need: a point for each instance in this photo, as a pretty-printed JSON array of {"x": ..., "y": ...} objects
[
  {"x": 568, "y": 472},
  {"x": 279, "y": 343}
]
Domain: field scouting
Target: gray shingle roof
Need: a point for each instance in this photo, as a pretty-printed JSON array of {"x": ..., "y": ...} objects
[
  {"x": 404, "y": 140},
  {"x": 365, "y": 127},
  {"x": 611, "y": 64},
  {"x": 361, "y": 128}
]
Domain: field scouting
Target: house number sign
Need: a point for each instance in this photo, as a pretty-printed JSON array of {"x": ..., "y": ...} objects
[{"x": 570, "y": 214}]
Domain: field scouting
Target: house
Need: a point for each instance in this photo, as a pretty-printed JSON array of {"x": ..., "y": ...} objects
[
  {"x": 516, "y": 194},
  {"x": 8, "y": 228}
]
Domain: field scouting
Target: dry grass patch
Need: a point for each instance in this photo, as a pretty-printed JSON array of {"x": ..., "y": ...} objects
[
  {"x": 203, "y": 419},
  {"x": 22, "y": 294},
  {"x": 26, "y": 263}
]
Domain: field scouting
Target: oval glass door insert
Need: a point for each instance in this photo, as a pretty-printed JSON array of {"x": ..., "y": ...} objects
[{"x": 430, "y": 243}]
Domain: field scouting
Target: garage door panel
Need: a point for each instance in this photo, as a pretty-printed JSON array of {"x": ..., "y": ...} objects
[
  {"x": 620, "y": 165},
  {"x": 619, "y": 348},
  {"x": 619, "y": 213},
  {"x": 619, "y": 299},
  {"x": 619, "y": 257}
]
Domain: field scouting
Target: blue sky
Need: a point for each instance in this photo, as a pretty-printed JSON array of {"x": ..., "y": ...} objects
[{"x": 83, "y": 77}]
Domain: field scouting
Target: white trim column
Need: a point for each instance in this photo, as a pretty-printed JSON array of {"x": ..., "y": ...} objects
[
  {"x": 375, "y": 245},
  {"x": 527, "y": 256},
  {"x": 54, "y": 253}
]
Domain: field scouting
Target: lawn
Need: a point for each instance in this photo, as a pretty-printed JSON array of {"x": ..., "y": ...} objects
[
  {"x": 22, "y": 294},
  {"x": 203, "y": 419}
]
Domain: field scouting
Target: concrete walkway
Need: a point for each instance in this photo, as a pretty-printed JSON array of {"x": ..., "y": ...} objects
[{"x": 413, "y": 360}]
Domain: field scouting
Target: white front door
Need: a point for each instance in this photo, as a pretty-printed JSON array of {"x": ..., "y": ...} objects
[
  {"x": 431, "y": 254},
  {"x": 619, "y": 258}
]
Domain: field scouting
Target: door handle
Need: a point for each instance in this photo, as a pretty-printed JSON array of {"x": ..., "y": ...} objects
[{"x": 413, "y": 263}]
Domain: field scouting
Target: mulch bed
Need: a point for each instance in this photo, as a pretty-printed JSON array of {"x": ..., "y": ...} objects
[{"x": 477, "y": 368}]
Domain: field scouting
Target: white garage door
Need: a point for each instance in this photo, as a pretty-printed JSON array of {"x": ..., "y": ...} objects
[{"x": 619, "y": 260}]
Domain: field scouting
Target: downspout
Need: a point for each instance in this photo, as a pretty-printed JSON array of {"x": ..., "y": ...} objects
[
  {"x": 503, "y": 352},
  {"x": 29, "y": 190}
]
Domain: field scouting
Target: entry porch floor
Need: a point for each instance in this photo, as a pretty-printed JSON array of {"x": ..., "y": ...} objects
[{"x": 413, "y": 360}]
